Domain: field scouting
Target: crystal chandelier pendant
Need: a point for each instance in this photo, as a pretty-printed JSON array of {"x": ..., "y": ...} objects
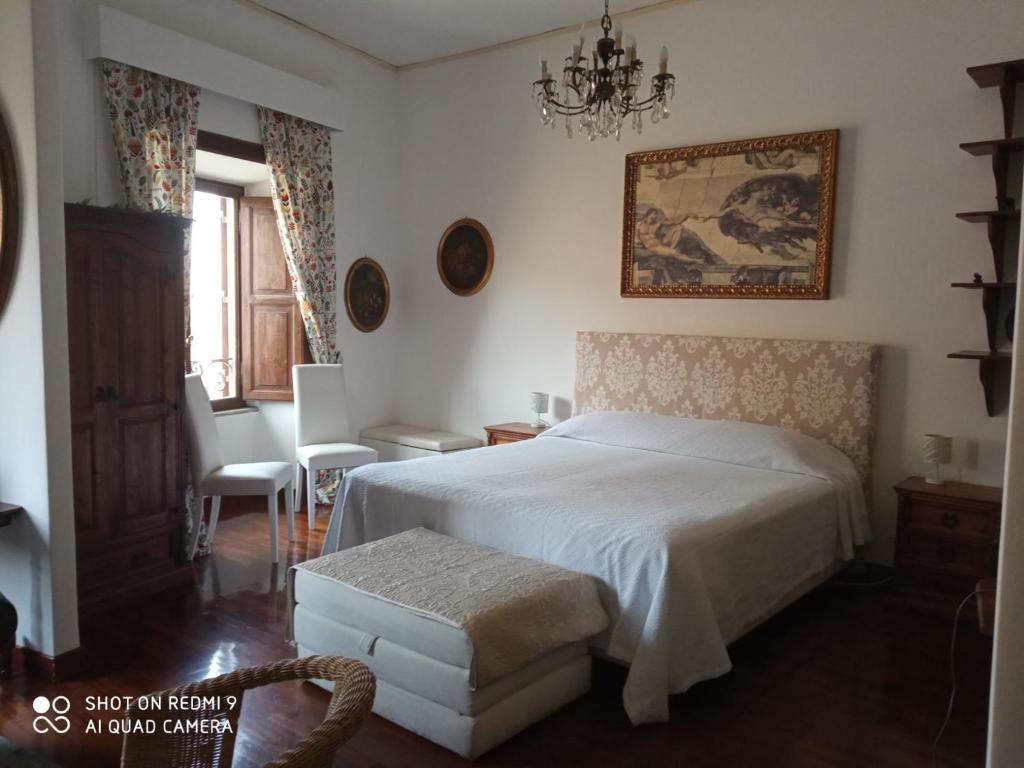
[{"x": 598, "y": 92}]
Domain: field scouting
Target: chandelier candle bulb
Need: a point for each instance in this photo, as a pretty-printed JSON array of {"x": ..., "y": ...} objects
[
  {"x": 543, "y": 68},
  {"x": 618, "y": 37},
  {"x": 663, "y": 61}
]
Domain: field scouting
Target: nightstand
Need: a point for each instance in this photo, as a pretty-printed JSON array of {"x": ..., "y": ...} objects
[
  {"x": 513, "y": 432},
  {"x": 947, "y": 539}
]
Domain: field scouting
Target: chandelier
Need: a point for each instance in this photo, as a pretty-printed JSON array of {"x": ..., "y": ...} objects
[{"x": 596, "y": 95}]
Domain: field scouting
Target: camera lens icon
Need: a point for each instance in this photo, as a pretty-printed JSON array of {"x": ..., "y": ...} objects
[{"x": 59, "y": 706}]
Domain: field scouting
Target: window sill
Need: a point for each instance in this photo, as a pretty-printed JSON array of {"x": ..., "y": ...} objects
[{"x": 236, "y": 411}]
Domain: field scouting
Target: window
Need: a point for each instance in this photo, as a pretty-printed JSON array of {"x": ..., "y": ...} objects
[
  {"x": 213, "y": 291},
  {"x": 245, "y": 323}
]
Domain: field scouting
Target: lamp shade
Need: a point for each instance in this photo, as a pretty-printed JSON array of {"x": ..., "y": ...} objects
[
  {"x": 539, "y": 402},
  {"x": 937, "y": 449}
]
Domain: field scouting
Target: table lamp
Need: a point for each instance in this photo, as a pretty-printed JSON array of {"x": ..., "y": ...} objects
[
  {"x": 539, "y": 405},
  {"x": 937, "y": 450}
]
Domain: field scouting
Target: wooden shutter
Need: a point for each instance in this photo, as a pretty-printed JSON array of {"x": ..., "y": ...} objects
[{"x": 273, "y": 339}]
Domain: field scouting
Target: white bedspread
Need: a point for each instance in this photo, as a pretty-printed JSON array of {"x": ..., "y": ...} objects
[{"x": 695, "y": 530}]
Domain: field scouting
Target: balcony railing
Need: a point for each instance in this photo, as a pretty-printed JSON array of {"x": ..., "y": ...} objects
[{"x": 218, "y": 376}]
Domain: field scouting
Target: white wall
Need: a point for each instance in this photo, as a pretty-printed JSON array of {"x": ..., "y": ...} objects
[
  {"x": 889, "y": 75},
  {"x": 365, "y": 163},
  {"x": 37, "y": 561}
]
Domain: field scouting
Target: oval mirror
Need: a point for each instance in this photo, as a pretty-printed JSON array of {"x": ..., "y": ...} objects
[{"x": 9, "y": 214}]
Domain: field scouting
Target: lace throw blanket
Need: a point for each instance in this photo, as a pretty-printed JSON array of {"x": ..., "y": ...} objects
[{"x": 513, "y": 609}]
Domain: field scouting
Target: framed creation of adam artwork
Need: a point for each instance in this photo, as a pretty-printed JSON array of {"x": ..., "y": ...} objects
[
  {"x": 367, "y": 294},
  {"x": 738, "y": 219}
]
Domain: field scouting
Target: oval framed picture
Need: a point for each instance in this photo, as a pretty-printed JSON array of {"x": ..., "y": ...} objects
[
  {"x": 465, "y": 257},
  {"x": 10, "y": 214},
  {"x": 367, "y": 294}
]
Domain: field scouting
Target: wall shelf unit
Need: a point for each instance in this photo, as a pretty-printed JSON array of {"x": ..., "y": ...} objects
[
  {"x": 998, "y": 294},
  {"x": 993, "y": 146},
  {"x": 982, "y": 217},
  {"x": 1003, "y": 75}
]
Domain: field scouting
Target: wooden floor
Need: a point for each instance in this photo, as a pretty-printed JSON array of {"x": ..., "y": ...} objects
[{"x": 841, "y": 678}]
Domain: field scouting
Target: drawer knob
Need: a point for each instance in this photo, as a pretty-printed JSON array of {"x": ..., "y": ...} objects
[{"x": 950, "y": 519}]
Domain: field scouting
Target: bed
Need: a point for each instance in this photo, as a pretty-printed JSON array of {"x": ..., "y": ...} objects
[{"x": 705, "y": 483}]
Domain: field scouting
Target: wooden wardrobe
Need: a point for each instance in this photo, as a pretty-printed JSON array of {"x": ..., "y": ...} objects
[{"x": 126, "y": 348}]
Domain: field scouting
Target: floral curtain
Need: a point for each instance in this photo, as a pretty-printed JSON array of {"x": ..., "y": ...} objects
[
  {"x": 155, "y": 122},
  {"x": 302, "y": 187}
]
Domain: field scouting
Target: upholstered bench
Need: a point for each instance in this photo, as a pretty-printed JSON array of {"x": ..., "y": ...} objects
[
  {"x": 397, "y": 442},
  {"x": 470, "y": 645}
]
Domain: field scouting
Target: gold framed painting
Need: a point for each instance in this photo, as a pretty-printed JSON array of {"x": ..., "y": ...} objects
[
  {"x": 367, "y": 294},
  {"x": 10, "y": 214},
  {"x": 737, "y": 219},
  {"x": 465, "y": 257}
]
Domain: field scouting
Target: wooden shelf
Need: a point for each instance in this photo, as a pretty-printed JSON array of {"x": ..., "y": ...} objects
[
  {"x": 993, "y": 75},
  {"x": 983, "y": 217},
  {"x": 990, "y": 286},
  {"x": 7, "y": 513},
  {"x": 988, "y": 363},
  {"x": 991, "y": 146},
  {"x": 971, "y": 354},
  {"x": 991, "y": 303},
  {"x": 1003, "y": 75}
]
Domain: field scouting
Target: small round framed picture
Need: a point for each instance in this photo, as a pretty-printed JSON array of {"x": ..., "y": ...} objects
[
  {"x": 465, "y": 257},
  {"x": 367, "y": 294},
  {"x": 10, "y": 213}
]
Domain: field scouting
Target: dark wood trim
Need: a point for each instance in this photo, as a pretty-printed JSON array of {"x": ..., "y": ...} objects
[
  {"x": 230, "y": 146},
  {"x": 236, "y": 192},
  {"x": 7, "y": 513},
  {"x": 222, "y": 188},
  {"x": 227, "y": 403},
  {"x": 41, "y": 666}
]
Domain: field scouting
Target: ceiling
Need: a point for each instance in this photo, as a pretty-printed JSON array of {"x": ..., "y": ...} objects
[{"x": 404, "y": 32}]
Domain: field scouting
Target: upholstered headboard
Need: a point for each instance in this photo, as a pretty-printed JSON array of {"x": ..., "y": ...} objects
[{"x": 825, "y": 389}]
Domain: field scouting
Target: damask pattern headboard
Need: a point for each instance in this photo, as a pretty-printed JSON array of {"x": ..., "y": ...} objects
[{"x": 825, "y": 389}]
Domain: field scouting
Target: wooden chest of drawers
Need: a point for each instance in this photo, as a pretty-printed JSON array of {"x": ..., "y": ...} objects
[
  {"x": 947, "y": 540},
  {"x": 513, "y": 432}
]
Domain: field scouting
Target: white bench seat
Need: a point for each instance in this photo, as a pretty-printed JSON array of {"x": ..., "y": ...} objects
[
  {"x": 397, "y": 442},
  {"x": 386, "y": 604}
]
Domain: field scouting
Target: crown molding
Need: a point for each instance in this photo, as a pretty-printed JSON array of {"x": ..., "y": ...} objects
[{"x": 589, "y": 23}]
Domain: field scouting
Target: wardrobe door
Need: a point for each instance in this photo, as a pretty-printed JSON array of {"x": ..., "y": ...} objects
[
  {"x": 144, "y": 343},
  {"x": 88, "y": 430},
  {"x": 126, "y": 332}
]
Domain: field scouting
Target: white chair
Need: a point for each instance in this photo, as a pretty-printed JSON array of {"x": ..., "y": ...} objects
[
  {"x": 322, "y": 430},
  {"x": 212, "y": 477}
]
